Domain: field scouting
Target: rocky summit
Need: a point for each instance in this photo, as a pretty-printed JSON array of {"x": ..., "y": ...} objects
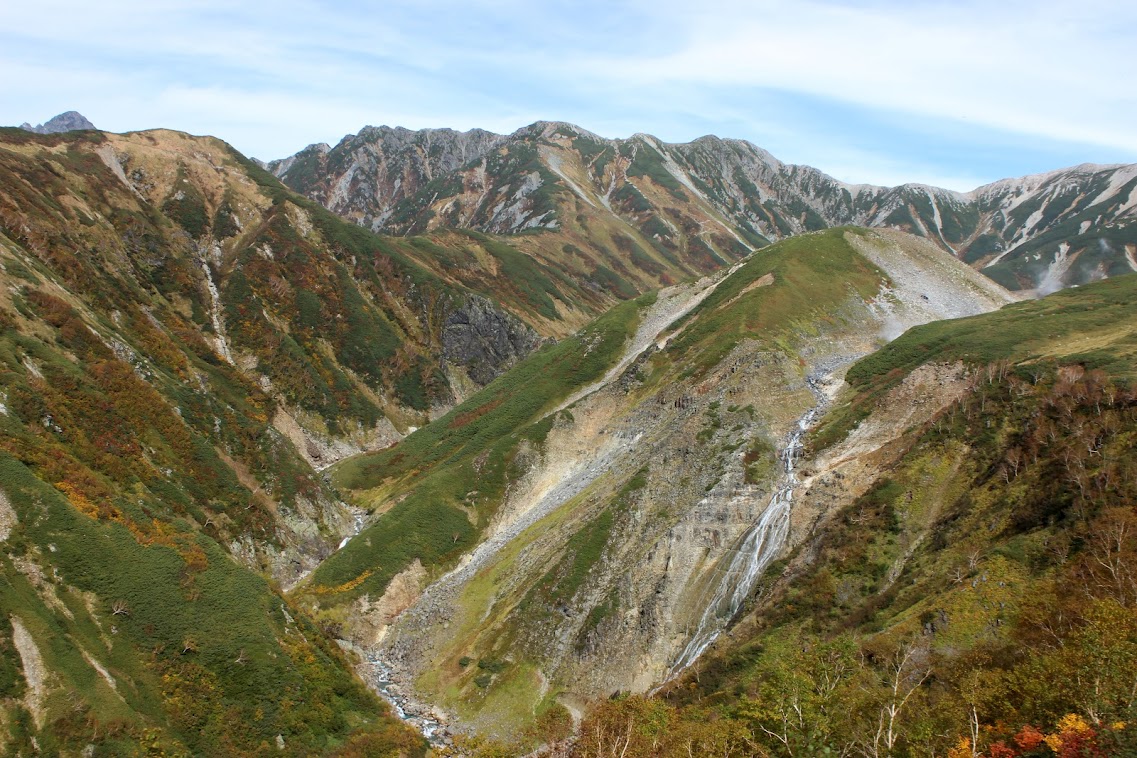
[
  {"x": 65, "y": 122},
  {"x": 698, "y": 204},
  {"x": 456, "y": 443}
]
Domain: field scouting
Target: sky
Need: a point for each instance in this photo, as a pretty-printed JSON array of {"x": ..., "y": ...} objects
[{"x": 953, "y": 94}]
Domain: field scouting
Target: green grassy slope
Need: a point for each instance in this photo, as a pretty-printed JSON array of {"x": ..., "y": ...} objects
[
  {"x": 1091, "y": 326},
  {"x": 807, "y": 281},
  {"x": 162, "y": 645},
  {"x": 120, "y": 489}
]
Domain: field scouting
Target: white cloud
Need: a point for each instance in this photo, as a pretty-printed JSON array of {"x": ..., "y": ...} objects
[{"x": 1052, "y": 69}]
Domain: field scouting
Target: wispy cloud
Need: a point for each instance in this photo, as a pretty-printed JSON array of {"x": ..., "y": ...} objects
[
  {"x": 869, "y": 90},
  {"x": 1053, "y": 69}
]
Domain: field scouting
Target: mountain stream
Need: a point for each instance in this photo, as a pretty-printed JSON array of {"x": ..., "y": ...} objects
[{"x": 760, "y": 545}]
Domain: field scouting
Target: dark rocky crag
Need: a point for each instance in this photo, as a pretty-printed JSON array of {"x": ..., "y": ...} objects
[{"x": 485, "y": 340}]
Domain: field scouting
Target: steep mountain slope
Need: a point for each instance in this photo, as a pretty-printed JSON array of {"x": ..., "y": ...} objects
[
  {"x": 357, "y": 335},
  {"x": 586, "y": 200},
  {"x": 183, "y": 343},
  {"x": 149, "y": 499},
  {"x": 369, "y": 173},
  {"x": 709, "y": 198},
  {"x": 963, "y": 576},
  {"x": 615, "y": 503}
]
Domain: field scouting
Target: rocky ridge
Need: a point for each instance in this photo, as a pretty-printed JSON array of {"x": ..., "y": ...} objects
[
  {"x": 64, "y": 122},
  {"x": 1048, "y": 230}
]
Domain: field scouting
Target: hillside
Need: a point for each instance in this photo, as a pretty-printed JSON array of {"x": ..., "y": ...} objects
[
  {"x": 151, "y": 496},
  {"x": 962, "y": 579},
  {"x": 185, "y": 344},
  {"x": 606, "y": 499},
  {"x": 359, "y": 336},
  {"x": 690, "y": 207},
  {"x": 614, "y": 438}
]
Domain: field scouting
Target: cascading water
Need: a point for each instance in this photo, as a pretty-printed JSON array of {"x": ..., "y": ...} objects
[
  {"x": 420, "y": 716},
  {"x": 760, "y": 545}
]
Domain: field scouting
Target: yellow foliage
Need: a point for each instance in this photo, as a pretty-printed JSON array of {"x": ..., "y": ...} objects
[
  {"x": 346, "y": 586},
  {"x": 962, "y": 749},
  {"x": 162, "y": 533},
  {"x": 1068, "y": 725},
  {"x": 78, "y": 499}
]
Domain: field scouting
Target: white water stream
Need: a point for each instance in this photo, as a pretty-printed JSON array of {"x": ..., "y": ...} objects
[
  {"x": 760, "y": 545},
  {"x": 418, "y": 715}
]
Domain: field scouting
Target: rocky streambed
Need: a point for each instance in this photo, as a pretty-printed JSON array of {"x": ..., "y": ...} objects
[{"x": 427, "y": 719}]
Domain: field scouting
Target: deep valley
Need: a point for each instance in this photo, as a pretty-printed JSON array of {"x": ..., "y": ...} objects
[{"x": 459, "y": 443}]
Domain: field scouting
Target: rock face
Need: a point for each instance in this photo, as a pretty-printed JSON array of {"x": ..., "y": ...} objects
[
  {"x": 485, "y": 340},
  {"x": 1044, "y": 231},
  {"x": 368, "y": 174},
  {"x": 64, "y": 122}
]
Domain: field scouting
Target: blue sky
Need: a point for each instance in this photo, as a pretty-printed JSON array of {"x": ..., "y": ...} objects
[{"x": 948, "y": 93}]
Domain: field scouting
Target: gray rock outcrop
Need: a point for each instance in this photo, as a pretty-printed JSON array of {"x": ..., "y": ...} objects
[
  {"x": 65, "y": 122},
  {"x": 485, "y": 339}
]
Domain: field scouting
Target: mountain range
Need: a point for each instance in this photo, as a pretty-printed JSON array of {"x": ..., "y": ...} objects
[
  {"x": 707, "y": 201},
  {"x": 547, "y": 442}
]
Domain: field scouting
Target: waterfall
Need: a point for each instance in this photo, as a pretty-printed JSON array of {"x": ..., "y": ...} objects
[{"x": 759, "y": 546}]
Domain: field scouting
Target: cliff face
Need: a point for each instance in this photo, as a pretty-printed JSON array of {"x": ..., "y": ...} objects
[{"x": 484, "y": 340}]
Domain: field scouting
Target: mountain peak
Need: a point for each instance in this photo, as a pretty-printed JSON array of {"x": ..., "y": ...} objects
[{"x": 69, "y": 121}]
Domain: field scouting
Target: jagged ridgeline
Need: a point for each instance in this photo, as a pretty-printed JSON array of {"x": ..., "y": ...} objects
[
  {"x": 971, "y": 590},
  {"x": 602, "y": 487},
  {"x": 690, "y": 207}
]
